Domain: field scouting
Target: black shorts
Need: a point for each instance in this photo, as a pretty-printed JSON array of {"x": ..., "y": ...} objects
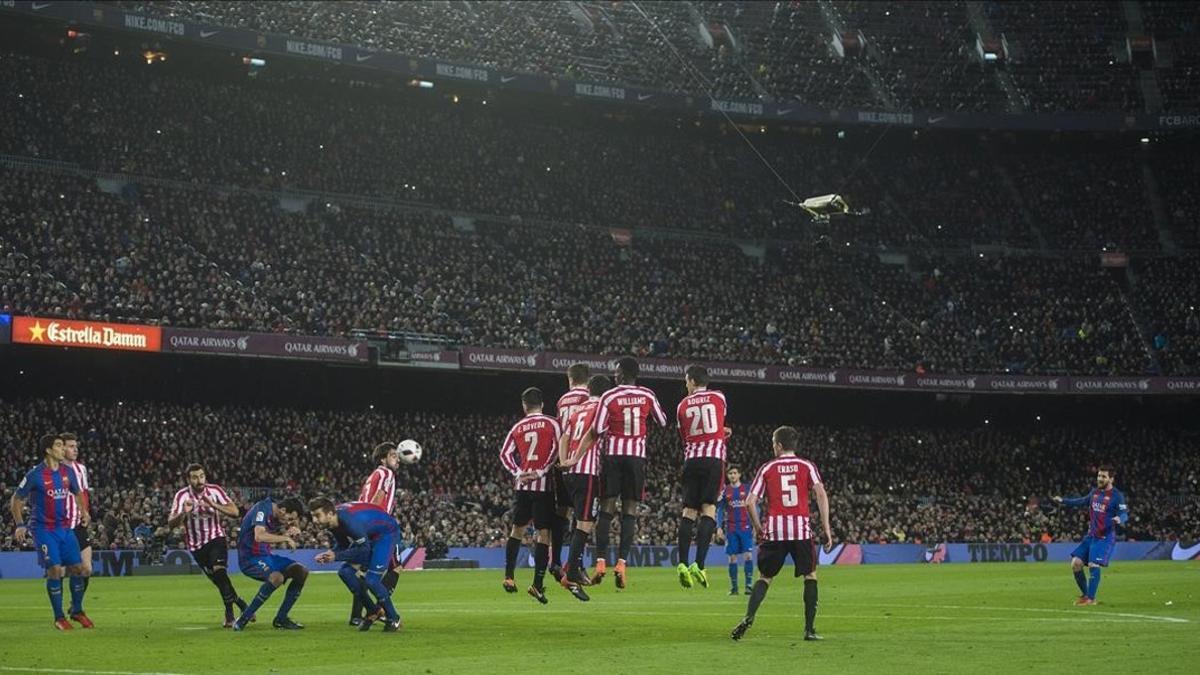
[
  {"x": 536, "y": 506},
  {"x": 703, "y": 478},
  {"x": 82, "y": 536},
  {"x": 212, "y": 555},
  {"x": 772, "y": 555},
  {"x": 623, "y": 477},
  {"x": 585, "y": 492},
  {"x": 558, "y": 485}
]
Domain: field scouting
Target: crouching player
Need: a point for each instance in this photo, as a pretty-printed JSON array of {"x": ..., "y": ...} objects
[
  {"x": 260, "y": 529},
  {"x": 377, "y": 535}
]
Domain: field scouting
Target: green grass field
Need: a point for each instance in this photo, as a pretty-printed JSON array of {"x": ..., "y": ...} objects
[{"x": 894, "y": 618}]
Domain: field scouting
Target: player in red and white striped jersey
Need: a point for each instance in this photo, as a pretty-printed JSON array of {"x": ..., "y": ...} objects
[
  {"x": 579, "y": 455},
  {"x": 81, "y": 517},
  {"x": 198, "y": 508},
  {"x": 623, "y": 419},
  {"x": 568, "y": 403},
  {"x": 784, "y": 483},
  {"x": 379, "y": 489},
  {"x": 701, "y": 418},
  {"x": 527, "y": 453}
]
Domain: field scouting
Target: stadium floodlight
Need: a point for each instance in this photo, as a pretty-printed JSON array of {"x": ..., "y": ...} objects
[{"x": 825, "y": 205}]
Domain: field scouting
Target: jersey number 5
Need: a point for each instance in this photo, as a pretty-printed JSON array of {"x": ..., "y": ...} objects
[
  {"x": 790, "y": 496},
  {"x": 703, "y": 418}
]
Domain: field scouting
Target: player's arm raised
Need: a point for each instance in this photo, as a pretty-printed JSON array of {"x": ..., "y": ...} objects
[
  {"x": 262, "y": 535},
  {"x": 1072, "y": 501},
  {"x": 823, "y": 508}
]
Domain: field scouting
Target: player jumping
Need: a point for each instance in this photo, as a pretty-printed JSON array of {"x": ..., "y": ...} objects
[
  {"x": 701, "y": 417},
  {"x": 622, "y": 418},
  {"x": 579, "y": 455},
  {"x": 52, "y": 493},
  {"x": 784, "y": 483},
  {"x": 1108, "y": 509},
  {"x": 380, "y": 536},
  {"x": 528, "y": 450},
  {"x": 259, "y": 530},
  {"x": 568, "y": 403},
  {"x": 199, "y": 508},
  {"x": 734, "y": 522}
]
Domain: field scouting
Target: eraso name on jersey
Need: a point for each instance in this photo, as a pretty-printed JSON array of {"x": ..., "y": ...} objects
[{"x": 788, "y": 468}]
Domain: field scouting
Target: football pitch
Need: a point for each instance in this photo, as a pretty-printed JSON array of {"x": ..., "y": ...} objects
[{"x": 884, "y": 618}]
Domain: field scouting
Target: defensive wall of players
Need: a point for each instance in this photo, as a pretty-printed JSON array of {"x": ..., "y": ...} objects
[
  {"x": 23, "y": 564},
  {"x": 53, "y": 332}
]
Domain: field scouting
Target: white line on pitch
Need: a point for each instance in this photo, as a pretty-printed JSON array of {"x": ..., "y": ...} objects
[
  {"x": 18, "y": 669},
  {"x": 1075, "y": 612}
]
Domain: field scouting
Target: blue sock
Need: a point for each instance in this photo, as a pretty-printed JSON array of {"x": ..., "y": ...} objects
[
  {"x": 78, "y": 587},
  {"x": 1094, "y": 583},
  {"x": 733, "y": 575},
  {"x": 289, "y": 599},
  {"x": 375, "y": 583},
  {"x": 1081, "y": 580},
  {"x": 264, "y": 592},
  {"x": 349, "y": 576},
  {"x": 54, "y": 590},
  {"x": 749, "y": 573}
]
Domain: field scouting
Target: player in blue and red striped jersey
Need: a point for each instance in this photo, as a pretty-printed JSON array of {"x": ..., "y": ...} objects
[
  {"x": 1107, "y": 510},
  {"x": 261, "y": 528},
  {"x": 379, "y": 534},
  {"x": 733, "y": 520},
  {"x": 52, "y": 491}
]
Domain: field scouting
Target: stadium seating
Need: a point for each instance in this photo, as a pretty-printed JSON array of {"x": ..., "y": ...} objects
[
  {"x": 1064, "y": 55},
  {"x": 923, "y": 485}
]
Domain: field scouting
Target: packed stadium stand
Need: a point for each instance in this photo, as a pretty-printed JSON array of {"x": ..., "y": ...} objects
[
  {"x": 916, "y": 484},
  {"x": 324, "y": 202}
]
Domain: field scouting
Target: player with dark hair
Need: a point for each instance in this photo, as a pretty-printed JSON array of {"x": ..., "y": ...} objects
[
  {"x": 568, "y": 403},
  {"x": 199, "y": 507},
  {"x": 260, "y": 529},
  {"x": 784, "y": 483},
  {"x": 380, "y": 490},
  {"x": 733, "y": 520},
  {"x": 579, "y": 455},
  {"x": 379, "y": 536},
  {"x": 1107, "y": 509},
  {"x": 53, "y": 492},
  {"x": 71, "y": 461},
  {"x": 622, "y": 418},
  {"x": 701, "y": 417},
  {"x": 527, "y": 453}
]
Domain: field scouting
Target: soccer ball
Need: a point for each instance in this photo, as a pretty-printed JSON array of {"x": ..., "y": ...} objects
[{"x": 410, "y": 451}]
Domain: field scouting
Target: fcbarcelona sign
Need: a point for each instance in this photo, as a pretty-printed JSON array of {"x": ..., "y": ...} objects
[{"x": 33, "y": 330}]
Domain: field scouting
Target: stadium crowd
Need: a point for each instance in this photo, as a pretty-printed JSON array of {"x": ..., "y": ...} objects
[
  {"x": 896, "y": 485},
  {"x": 1062, "y": 54},
  {"x": 185, "y": 257}
]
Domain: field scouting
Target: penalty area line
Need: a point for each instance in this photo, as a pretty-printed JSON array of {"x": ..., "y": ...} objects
[{"x": 1076, "y": 612}]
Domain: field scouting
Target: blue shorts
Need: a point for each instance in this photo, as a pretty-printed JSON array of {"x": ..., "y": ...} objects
[
  {"x": 1092, "y": 550},
  {"x": 259, "y": 567},
  {"x": 56, "y": 547},
  {"x": 737, "y": 543},
  {"x": 385, "y": 552}
]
